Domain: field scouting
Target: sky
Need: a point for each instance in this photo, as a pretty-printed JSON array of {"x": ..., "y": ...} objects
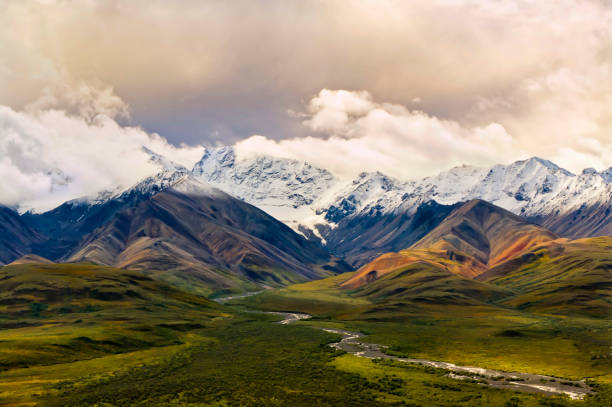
[{"x": 409, "y": 88}]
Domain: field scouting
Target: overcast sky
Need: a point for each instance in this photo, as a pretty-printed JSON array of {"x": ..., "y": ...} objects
[{"x": 406, "y": 87}]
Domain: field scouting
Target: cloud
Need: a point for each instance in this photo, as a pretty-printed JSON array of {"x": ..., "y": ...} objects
[
  {"x": 86, "y": 100},
  {"x": 493, "y": 81},
  {"x": 221, "y": 71},
  {"x": 49, "y": 156},
  {"x": 364, "y": 135}
]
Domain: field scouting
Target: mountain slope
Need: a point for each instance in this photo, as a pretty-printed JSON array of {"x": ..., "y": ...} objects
[
  {"x": 16, "y": 237},
  {"x": 202, "y": 232},
  {"x": 363, "y": 238},
  {"x": 427, "y": 283},
  {"x": 474, "y": 237},
  {"x": 485, "y": 232},
  {"x": 284, "y": 188},
  {"x": 523, "y": 265},
  {"x": 586, "y": 220},
  {"x": 318, "y": 205},
  {"x": 560, "y": 276},
  {"x": 65, "y": 226}
]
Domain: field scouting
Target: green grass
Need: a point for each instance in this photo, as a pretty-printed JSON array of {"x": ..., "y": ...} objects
[
  {"x": 424, "y": 283},
  {"x": 247, "y": 360},
  {"x": 420, "y": 386},
  {"x": 564, "y": 348},
  {"x": 319, "y": 297},
  {"x": 57, "y": 315},
  {"x": 478, "y": 335},
  {"x": 572, "y": 278},
  {"x": 74, "y": 337}
]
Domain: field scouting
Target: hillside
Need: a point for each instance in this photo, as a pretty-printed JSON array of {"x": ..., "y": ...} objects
[
  {"x": 62, "y": 313},
  {"x": 197, "y": 232},
  {"x": 425, "y": 283},
  {"x": 485, "y": 232},
  {"x": 68, "y": 288},
  {"x": 474, "y": 237},
  {"x": 363, "y": 238},
  {"x": 560, "y": 277},
  {"x": 30, "y": 259},
  {"x": 16, "y": 237}
]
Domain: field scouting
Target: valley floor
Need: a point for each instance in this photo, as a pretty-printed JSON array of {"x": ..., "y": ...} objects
[
  {"x": 84, "y": 335},
  {"x": 244, "y": 359}
]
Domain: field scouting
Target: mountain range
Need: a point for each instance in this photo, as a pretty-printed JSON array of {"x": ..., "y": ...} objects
[
  {"x": 483, "y": 254},
  {"x": 372, "y": 214},
  {"x": 233, "y": 223}
]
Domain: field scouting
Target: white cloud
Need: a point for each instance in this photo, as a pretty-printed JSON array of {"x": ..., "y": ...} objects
[
  {"x": 49, "y": 156},
  {"x": 493, "y": 81},
  {"x": 363, "y": 135},
  {"x": 86, "y": 100},
  {"x": 221, "y": 71}
]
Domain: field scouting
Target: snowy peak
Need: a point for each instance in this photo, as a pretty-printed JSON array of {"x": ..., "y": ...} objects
[
  {"x": 167, "y": 174},
  {"x": 158, "y": 182},
  {"x": 370, "y": 191},
  {"x": 534, "y": 162},
  {"x": 276, "y": 185},
  {"x": 312, "y": 200},
  {"x": 301, "y": 194},
  {"x": 163, "y": 163},
  {"x": 607, "y": 175},
  {"x": 215, "y": 161}
]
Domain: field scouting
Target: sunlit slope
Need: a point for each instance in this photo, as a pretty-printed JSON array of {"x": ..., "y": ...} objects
[
  {"x": 561, "y": 277},
  {"x": 470, "y": 240},
  {"x": 486, "y": 233},
  {"x": 523, "y": 265},
  {"x": 30, "y": 259},
  {"x": 425, "y": 283}
]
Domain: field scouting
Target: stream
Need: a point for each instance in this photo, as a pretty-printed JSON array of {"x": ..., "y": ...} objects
[{"x": 525, "y": 382}]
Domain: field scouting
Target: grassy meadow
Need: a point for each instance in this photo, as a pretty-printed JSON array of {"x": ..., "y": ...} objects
[
  {"x": 483, "y": 335},
  {"x": 83, "y": 335},
  {"x": 247, "y": 360}
]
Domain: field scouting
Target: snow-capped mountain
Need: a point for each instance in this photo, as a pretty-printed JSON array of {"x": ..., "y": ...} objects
[
  {"x": 317, "y": 204},
  {"x": 67, "y": 224},
  {"x": 311, "y": 199},
  {"x": 530, "y": 187},
  {"x": 299, "y": 193},
  {"x": 286, "y": 189},
  {"x": 607, "y": 174},
  {"x": 167, "y": 173}
]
